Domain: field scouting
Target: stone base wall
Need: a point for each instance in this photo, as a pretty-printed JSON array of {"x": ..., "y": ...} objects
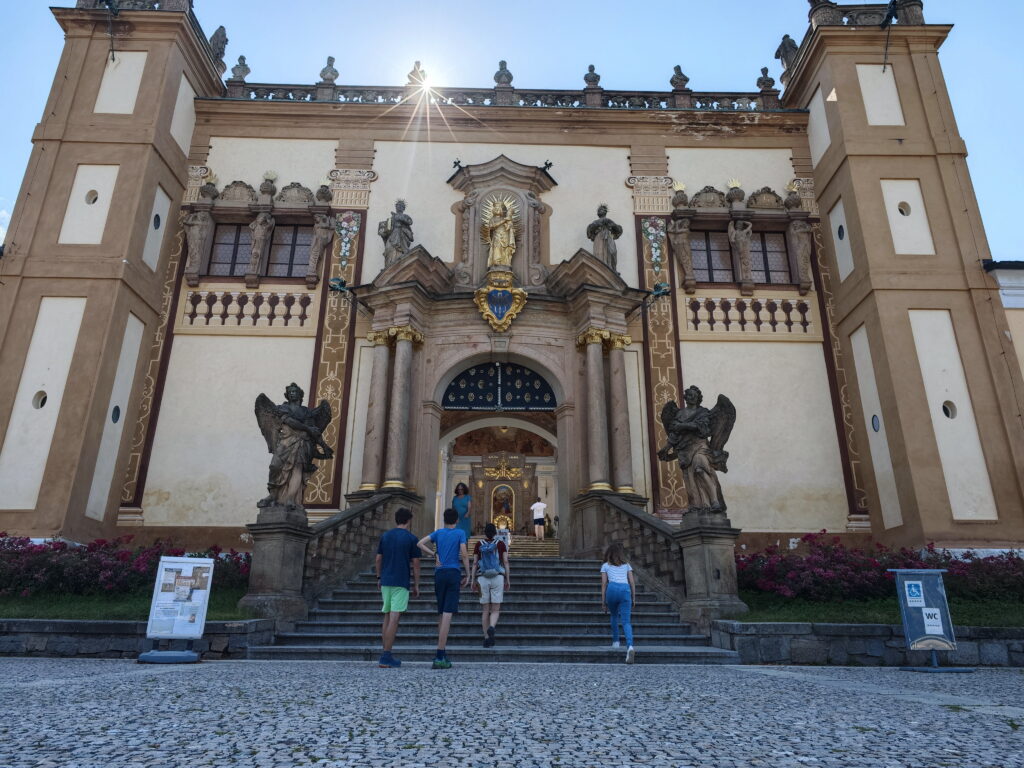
[
  {"x": 862, "y": 644},
  {"x": 125, "y": 639}
]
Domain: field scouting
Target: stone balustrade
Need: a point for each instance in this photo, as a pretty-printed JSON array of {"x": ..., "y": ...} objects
[
  {"x": 784, "y": 317},
  {"x": 510, "y": 97},
  {"x": 230, "y": 309}
]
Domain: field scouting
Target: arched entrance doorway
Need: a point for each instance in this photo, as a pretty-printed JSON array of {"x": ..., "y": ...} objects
[{"x": 499, "y": 437}]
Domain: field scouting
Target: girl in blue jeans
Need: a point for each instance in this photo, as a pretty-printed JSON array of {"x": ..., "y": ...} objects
[{"x": 618, "y": 594}]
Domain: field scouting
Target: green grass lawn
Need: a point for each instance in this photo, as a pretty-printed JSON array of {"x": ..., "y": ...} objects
[
  {"x": 130, "y": 607},
  {"x": 975, "y": 613}
]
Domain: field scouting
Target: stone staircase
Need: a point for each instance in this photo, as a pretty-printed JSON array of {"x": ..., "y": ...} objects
[{"x": 552, "y": 613}]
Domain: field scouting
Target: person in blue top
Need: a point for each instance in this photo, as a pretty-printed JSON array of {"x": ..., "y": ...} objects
[
  {"x": 461, "y": 504},
  {"x": 396, "y": 550},
  {"x": 450, "y": 551}
]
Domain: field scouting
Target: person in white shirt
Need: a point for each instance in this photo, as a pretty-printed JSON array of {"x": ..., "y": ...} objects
[
  {"x": 618, "y": 595},
  {"x": 538, "y": 508}
]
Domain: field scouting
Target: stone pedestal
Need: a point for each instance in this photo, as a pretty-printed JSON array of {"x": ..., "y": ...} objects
[
  {"x": 278, "y": 559},
  {"x": 708, "y": 542}
]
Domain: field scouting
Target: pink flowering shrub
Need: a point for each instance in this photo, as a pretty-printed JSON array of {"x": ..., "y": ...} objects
[
  {"x": 102, "y": 566},
  {"x": 823, "y": 570}
]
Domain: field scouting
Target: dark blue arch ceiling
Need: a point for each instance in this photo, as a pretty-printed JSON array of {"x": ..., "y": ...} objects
[{"x": 499, "y": 387}]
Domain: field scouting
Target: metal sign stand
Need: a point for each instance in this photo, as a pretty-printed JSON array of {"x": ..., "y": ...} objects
[
  {"x": 927, "y": 625},
  {"x": 178, "y": 609}
]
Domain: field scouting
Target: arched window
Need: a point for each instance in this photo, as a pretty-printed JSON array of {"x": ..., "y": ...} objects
[{"x": 499, "y": 387}]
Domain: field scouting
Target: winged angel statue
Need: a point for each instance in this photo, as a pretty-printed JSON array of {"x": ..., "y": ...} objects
[
  {"x": 293, "y": 434},
  {"x": 499, "y": 226},
  {"x": 697, "y": 437}
]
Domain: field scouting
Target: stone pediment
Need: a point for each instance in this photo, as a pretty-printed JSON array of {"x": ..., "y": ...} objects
[
  {"x": 502, "y": 170},
  {"x": 583, "y": 269},
  {"x": 419, "y": 267}
]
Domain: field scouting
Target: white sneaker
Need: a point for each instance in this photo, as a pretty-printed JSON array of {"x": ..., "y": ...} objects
[
  {"x": 630, "y": 655},
  {"x": 615, "y": 644}
]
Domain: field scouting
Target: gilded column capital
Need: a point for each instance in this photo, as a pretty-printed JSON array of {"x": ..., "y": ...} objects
[
  {"x": 593, "y": 336},
  {"x": 379, "y": 338},
  {"x": 619, "y": 341},
  {"x": 405, "y": 333}
]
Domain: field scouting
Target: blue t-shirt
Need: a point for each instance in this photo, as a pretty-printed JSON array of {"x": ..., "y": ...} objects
[
  {"x": 398, "y": 547},
  {"x": 448, "y": 541}
]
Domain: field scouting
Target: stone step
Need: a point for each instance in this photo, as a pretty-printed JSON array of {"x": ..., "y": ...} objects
[
  {"x": 510, "y": 638},
  {"x": 666, "y": 654},
  {"x": 466, "y": 623},
  {"x": 653, "y": 615}
]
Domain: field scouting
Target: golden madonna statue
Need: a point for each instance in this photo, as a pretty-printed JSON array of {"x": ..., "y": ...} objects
[{"x": 500, "y": 222}]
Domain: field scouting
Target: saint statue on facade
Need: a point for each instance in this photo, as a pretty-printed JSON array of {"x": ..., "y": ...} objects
[
  {"x": 294, "y": 436},
  {"x": 604, "y": 232},
  {"x": 498, "y": 230},
  {"x": 696, "y": 439},
  {"x": 396, "y": 232}
]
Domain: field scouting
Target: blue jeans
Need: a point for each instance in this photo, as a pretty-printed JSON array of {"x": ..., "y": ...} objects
[{"x": 619, "y": 599}]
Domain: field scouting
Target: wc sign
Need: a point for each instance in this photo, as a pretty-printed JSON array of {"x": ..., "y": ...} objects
[{"x": 926, "y": 622}]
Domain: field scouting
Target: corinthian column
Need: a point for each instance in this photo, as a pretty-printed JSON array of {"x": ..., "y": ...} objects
[
  {"x": 398, "y": 420},
  {"x": 377, "y": 411},
  {"x": 622, "y": 451},
  {"x": 597, "y": 409}
]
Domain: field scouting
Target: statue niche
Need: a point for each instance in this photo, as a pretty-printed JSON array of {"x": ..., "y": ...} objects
[{"x": 500, "y": 222}]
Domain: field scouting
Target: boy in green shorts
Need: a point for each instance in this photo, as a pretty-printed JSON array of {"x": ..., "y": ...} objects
[{"x": 396, "y": 550}]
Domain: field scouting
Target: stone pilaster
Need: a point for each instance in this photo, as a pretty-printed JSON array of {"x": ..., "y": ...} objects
[
  {"x": 622, "y": 451},
  {"x": 396, "y": 467},
  {"x": 350, "y": 187},
  {"x": 597, "y": 409},
  {"x": 377, "y": 411}
]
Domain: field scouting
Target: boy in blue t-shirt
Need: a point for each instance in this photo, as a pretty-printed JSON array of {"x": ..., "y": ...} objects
[
  {"x": 449, "y": 550},
  {"x": 396, "y": 550}
]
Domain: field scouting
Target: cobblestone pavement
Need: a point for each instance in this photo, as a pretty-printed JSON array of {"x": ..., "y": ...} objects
[{"x": 84, "y": 713}]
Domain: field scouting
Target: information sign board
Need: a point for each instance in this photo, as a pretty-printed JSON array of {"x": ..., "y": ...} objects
[
  {"x": 180, "y": 598},
  {"x": 926, "y": 622}
]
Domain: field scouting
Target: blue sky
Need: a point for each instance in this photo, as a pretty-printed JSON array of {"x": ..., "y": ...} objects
[{"x": 720, "y": 45}]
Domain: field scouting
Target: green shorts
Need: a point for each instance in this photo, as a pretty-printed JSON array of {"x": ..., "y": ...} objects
[{"x": 396, "y": 599}]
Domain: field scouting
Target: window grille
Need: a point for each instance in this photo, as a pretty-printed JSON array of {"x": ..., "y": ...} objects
[
  {"x": 289, "y": 251},
  {"x": 712, "y": 257},
  {"x": 769, "y": 259},
  {"x": 232, "y": 246}
]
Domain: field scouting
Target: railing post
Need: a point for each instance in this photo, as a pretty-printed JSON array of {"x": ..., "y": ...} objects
[
  {"x": 708, "y": 542},
  {"x": 279, "y": 537}
]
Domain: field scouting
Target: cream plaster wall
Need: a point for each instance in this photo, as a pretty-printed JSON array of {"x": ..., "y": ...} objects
[
  {"x": 1015, "y": 319},
  {"x": 155, "y": 232},
  {"x": 844, "y": 254},
  {"x": 307, "y": 161},
  {"x": 635, "y": 384},
  {"x": 586, "y": 176},
  {"x": 818, "y": 135},
  {"x": 963, "y": 461},
  {"x": 110, "y": 442},
  {"x": 785, "y": 471},
  {"x": 911, "y": 233},
  {"x": 881, "y": 98},
  {"x": 754, "y": 168},
  {"x": 85, "y": 221},
  {"x": 209, "y": 462},
  {"x": 26, "y": 445},
  {"x": 358, "y": 408},
  {"x": 878, "y": 442},
  {"x": 119, "y": 87},
  {"x": 183, "y": 120}
]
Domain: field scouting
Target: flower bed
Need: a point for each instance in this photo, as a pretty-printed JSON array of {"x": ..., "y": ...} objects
[
  {"x": 100, "y": 567},
  {"x": 822, "y": 569}
]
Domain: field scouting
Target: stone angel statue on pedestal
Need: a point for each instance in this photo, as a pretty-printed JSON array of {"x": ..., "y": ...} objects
[
  {"x": 697, "y": 438},
  {"x": 294, "y": 436}
]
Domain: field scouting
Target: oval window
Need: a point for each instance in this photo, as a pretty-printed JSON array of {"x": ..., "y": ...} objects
[
  {"x": 156, "y": 221},
  {"x": 875, "y": 423},
  {"x": 115, "y": 415},
  {"x": 949, "y": 410},
  {"x": 91, "y": 196},
  {"x": 904, "y": 208},
  {"x": 841, "y": 232},
  {"x": 39, "y": 399}
]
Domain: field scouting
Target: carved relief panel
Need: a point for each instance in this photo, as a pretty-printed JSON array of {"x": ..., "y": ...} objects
[{"x": 496, "y": 191}]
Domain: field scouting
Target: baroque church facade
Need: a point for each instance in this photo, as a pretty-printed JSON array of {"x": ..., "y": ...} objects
[{"x": 558, "y": 266}]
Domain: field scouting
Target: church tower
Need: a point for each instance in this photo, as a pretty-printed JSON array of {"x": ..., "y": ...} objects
[
  {"x": 936, "y": 391},
  {"x": 87, "y": 256}
]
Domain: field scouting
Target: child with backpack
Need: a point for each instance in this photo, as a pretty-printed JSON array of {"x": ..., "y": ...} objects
[
  {"x": 618, "y": 595},
  {"x": 490, "y": 556}
]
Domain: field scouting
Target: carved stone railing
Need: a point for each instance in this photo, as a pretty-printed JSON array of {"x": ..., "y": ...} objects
[
  {"x": 232, "y": 309},
  {"x": 342, "y": 545},
  {"x": 510, "y": 97},
  {"x": 784, "y": 317},
  {"x": 827, "y": 13}
]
